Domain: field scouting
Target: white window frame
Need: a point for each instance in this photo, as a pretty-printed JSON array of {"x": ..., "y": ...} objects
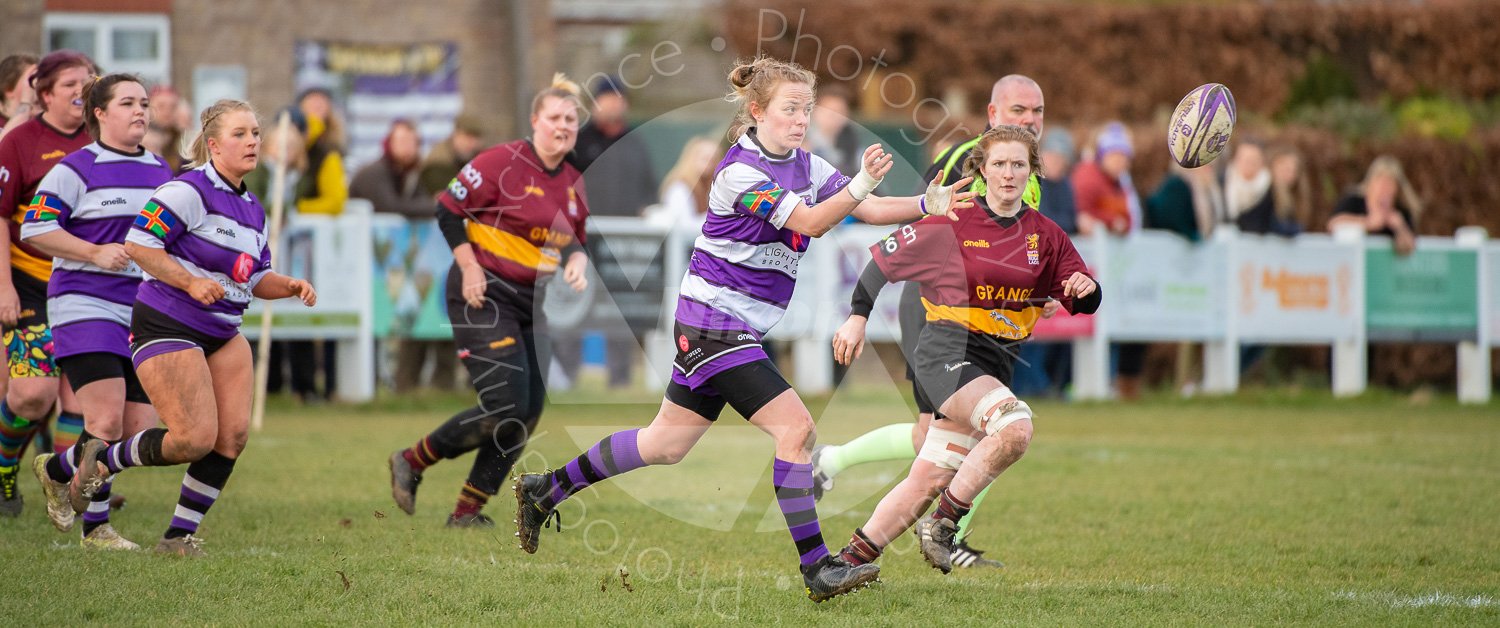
[{"x": 156, "y": 71}]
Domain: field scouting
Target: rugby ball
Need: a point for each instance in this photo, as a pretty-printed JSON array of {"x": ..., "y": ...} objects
[{"x": 1201, "y": 125}]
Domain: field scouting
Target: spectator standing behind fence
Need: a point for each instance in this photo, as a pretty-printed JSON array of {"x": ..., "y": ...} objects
[
  {"x": 621, "y": 184},
  {"x": 1280, "y": 210},
  {"x": 684, "y": 191},
  {"x": 448, "y": 156},
  {"x": 1283, "y": 210},
  {"x": 322, "y": 190},
  {"x": 1100, "y": 187},
  {"x": 619, "y": 181},
  {"x": 391, "y": 184},
  {"x": 1106, "y": 197},
  {"x": 1384, "y": 204},
  {"x": 439, "y": 168},
  {"x": 1186, "y": 203},
  {"x": 1247, "y": 180},
  {"x": 1058, "y": 155},
  {"x": 17, "y": 100}
]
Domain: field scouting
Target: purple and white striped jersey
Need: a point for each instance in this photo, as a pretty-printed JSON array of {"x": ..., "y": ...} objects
[
  {"x": 744, "y": 266},
  {"x": 93, "y": 194},
  {"x": 215, "y": 231}
]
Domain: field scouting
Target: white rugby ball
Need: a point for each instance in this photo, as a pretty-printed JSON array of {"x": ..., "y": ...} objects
[{"x": 1201, "y": 125}]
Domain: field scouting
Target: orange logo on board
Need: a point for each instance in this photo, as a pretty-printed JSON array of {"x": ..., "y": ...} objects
[{"x": 1297, "y": 291}]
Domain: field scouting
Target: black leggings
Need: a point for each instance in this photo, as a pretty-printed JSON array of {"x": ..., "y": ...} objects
[
  {"x": 506, "y": 354},
  {"x": 511, "y": 394}
]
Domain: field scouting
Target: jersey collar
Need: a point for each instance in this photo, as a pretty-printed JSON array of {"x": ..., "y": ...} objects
[
  {"x": 220, "y": 182},
  {"x": 1003, "y": 222},
  {"x": 140, "y": 151},
  {"x": 750, "y": 141},
  {"x": 536, "y": 159}
]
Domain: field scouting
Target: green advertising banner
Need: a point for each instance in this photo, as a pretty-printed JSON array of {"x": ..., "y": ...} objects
[{"x": 1428, "y": 295}]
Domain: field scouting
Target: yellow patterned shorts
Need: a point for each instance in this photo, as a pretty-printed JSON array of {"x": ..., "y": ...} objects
[{"x": 30, "y": 351}]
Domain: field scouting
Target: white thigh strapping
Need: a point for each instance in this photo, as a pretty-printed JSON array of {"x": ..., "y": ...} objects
[
  {"x": 946, "y": 449},
  {"x": 997, "y": 409}
]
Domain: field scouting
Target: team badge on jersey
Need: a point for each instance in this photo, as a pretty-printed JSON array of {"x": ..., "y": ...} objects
[
  {"x": 761, "y": 200},
  {"x": 43, "y": 208},
  {"x": 244, "y": 267},
  {"x": 156, "y": 220},
  {"x": 1033, "y": 256}
]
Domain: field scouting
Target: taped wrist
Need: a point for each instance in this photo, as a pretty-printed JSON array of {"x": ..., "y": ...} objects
[
  {"x": 862, "y": 185},
  {"x": 938, "y": 199}
]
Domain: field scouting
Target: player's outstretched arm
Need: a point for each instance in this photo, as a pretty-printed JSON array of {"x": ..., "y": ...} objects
[
  {"x": 816, "y": 220},
  {"x": 940, "y": 200}
]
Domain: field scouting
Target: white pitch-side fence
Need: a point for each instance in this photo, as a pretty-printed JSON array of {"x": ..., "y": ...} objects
[{"x": 1343, "y": 291}]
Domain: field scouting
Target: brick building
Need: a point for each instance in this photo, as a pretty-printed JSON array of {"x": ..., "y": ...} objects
[{"x": 505, "y": 48}]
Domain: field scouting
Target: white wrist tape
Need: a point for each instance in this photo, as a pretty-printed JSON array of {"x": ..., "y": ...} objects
[
  {"x": 938, "y": 199},
  {"x": 997, "y": 409},
  {"x": 946, "y": 449},
  {"x": 862, "y": 185}
]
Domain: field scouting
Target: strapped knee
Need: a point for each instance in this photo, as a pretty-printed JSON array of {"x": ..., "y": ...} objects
[
  {"x": 946, "y": 449},
  {"x": 997, "y": 409}
]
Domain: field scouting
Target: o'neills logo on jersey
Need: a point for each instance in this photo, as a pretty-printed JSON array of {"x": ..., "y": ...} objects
[
  {"x": 682, "y": 343},
  {"x": 56, "y": 154},
  {"x": 978, "y": 244}
]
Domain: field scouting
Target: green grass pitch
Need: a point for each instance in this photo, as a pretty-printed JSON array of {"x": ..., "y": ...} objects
[{"x": 1253, "y": 510}]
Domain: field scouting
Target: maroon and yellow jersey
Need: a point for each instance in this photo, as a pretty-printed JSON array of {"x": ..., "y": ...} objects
[
  {"x": 979, "y": 275},
  {"x": 520, "y": 215},
  {"x": 27, "y": 154}
]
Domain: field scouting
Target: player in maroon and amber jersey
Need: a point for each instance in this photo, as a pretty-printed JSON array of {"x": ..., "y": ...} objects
[
  {"x": 985, "y": 281},
  {"x": 513, "y": 216},
  {"x": 27, "y": 153},
  {"x": 522, "y": 214}
]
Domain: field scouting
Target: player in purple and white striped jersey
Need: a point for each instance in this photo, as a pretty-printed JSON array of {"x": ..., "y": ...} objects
[
  {"x": 768, "y": 201},
  {"x": 201, "y": 242},
  {"x": 80, "y": 215}
]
